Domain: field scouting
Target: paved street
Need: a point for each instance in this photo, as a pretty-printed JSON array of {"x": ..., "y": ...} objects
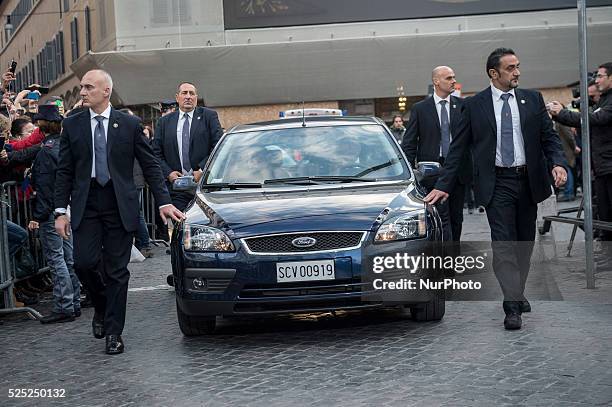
[{"x": 561, "y": 357}]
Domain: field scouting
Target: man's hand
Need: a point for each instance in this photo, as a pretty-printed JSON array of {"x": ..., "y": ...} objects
[
  {"x": 170, "y": 211},
  {"x": 7, "y": 77},
  {"x": 197, "y": 175},
  {"x": 4, "y": 157},
  {"x": 33, "y": 225},
  {"x": 435, "y": 196},
  {"x": 174, "y": 175},
  {"x": 554, "y": 108},
  {"x": 577, "y": 150},
  {"x": 21, "y": 95},
  {"x": 62, "y": 226},
  {"x": 559, "y": 175}
]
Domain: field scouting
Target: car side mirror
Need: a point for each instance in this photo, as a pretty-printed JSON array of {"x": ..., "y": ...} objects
[
  {"x": 184, "y": 184},
  {"x": 427, "y": 169},
  {"x": 427, "y": 172}
]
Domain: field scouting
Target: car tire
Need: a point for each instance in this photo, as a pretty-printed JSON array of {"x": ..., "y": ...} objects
[
  {"x": 195, "y": 326},
  {"x": 430, "y": 311}
]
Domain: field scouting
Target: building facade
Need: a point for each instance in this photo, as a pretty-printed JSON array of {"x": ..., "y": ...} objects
[{"x": 252, "y": 59}]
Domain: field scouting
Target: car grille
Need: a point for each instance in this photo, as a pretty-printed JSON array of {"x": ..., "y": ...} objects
[
  {"x": 325, "y": 241},
  {"x": 253, "y": 291},
  {"x": 302, "y": 297}
]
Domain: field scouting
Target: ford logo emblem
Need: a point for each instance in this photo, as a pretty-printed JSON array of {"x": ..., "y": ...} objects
[{"x": 303, "y": 242}]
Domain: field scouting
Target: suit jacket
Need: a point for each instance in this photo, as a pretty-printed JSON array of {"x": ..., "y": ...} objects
[
  {"x": 125, "y": 142},
  {"x": 421, "y": 141},
  {"x": 478, "y": 130},
  {"x": 204, "y": 133}
]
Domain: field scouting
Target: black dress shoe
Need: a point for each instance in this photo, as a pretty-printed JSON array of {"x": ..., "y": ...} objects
[
  {"x": 97, "y": 326},
  {"x": 56, "y": 317},
  {"x": 77, "y": 313},
  {"x": 513, "y": 321},
  {"x": 525, "y": 306},
  {"x": 114, "y": 345}
]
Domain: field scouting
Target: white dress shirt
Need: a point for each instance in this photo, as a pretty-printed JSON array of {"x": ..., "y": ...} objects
[
  {"x": 179, "y": 134},
  {"x": 94, "y": 123},
  {"x": 517, "y": 134},
  {"x": 437, "y": 100}
]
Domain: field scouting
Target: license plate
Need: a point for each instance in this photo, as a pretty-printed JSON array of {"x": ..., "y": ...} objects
[{"x": 291, "y": 272}]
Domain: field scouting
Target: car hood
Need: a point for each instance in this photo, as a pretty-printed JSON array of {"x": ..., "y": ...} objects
[{"x": 244, "y": 213}]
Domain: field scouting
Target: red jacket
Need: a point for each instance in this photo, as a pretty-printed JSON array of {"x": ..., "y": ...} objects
[{"x": 36, "y": 137}]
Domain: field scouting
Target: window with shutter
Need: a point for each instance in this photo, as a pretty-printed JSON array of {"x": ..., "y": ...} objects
[
  {"x": 74, "y": 29},
  {"x": 159, "y": 12},
  {"x": 181, "y": 12},
  {"x": 87, "y": 29},
  {"x": 102, "y": 14},
  {"x": 43, "y": 59},
  {"x": 60, "y": 43},
  {"x": 32, "y": 71}
]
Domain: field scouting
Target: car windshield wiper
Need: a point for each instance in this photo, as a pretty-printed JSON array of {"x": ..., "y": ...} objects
[
  {"x": 231, "y": 185},
  {"x": 315, "y": 180},
  {"x": 378, "y": 167}
]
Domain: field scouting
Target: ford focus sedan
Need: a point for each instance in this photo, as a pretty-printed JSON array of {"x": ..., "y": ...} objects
[{"x": 290, "y": 217}]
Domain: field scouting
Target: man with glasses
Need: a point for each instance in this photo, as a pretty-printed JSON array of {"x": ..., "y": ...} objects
[{"x": 600, "y": 119}]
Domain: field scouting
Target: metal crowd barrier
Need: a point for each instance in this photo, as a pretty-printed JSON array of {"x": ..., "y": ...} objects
[
  {"x": 18, "y": 211},
  {"x": 577, "y": 222},
  {"x": 150, "y": 212}
]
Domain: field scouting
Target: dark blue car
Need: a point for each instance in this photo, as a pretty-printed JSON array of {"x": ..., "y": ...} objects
[{"x": 290, "y": 216}]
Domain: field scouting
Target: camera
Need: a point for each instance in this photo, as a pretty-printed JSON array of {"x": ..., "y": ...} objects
[{"x": 576, "y": 103}]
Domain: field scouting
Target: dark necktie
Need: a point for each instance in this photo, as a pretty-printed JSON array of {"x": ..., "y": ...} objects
[
  {"x": 444, "y": 128},
  {"x": 185, "y": 144},
  {"x": 102, "y": 174},
  {"x": 507, "y": 140}
]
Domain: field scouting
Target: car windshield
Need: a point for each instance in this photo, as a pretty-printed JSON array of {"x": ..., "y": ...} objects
[{"x": 308, "y": 155}]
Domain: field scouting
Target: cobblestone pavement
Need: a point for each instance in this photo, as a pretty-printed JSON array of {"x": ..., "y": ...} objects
[{"x": 561, "y": 357}]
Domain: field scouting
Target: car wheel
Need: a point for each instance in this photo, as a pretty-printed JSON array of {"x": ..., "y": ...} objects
[
  {"x": 430, "y": 311},
  {"x": 193, "y": 325}
]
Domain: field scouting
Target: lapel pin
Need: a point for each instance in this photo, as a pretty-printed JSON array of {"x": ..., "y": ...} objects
[
  {"x": 199, "y": 117},
  {"x": 454, "y": 106},
  {"x": 115, "y": 125},
  {"x": 523, "y": 101}
]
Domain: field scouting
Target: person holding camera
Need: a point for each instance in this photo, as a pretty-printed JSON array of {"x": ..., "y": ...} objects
[{"x": 600, "y": 119}]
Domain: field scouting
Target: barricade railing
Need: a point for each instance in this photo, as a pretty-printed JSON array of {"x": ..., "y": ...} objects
[
  {"x": 150, "y": 211},
  {"x": 11, "y": 207},
  {"x": 577, "y": 222}
]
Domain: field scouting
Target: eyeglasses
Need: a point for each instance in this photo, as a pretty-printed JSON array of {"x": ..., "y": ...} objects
[{"x": 601, "y": 76}]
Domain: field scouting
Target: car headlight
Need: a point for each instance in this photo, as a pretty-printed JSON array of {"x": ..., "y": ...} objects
[
  {"x": 411, "y": 225},
  {"x": 199, "y": 238}
]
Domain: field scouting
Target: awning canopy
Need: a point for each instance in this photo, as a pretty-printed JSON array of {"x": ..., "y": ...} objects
[{"x": 341, "y": 69}]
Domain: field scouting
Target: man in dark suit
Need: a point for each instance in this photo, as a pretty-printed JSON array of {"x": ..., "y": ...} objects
[
  {"x": 432, "y": 125},
  {"x": 184, "y": 139},
  {"x": 511, "y": 137},
  {"x": 95, "y": 176}
]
